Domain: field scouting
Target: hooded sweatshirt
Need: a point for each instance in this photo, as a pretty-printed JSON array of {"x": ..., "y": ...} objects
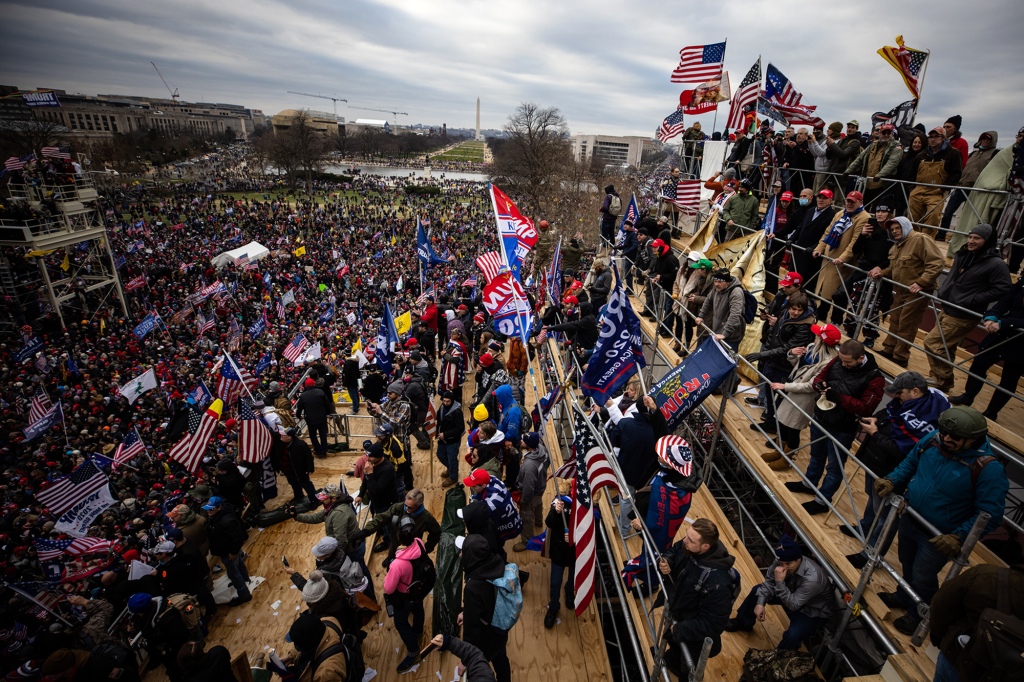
[
  {"x": 976, "y": 279},
  {"x": 400, "y": 572},
  {"x": 511, "y": 413},
  {"x": 479, "y": 596},
  {"x": 914, "y": 258}
]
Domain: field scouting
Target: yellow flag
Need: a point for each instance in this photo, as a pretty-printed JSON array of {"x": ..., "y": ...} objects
[
  {"x": 301, "y": 251},
  {"x": 103, "y": 326},
  {"x": 403, "y": 322},
  {"x": 66, "y": 265},
  {"x": 357, "y": 346},
  {"x": 394, "y": 240}
]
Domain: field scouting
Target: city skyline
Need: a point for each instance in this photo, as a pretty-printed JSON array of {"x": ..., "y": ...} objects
[{"x": 606, "y": 71}]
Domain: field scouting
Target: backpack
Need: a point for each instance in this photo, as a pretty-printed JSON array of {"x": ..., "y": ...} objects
[
  {"x": 734, "y": 582},
  {"x": 749, "y": 306},
  {"x": 508, "y": 599},
  {"x": 615, "y": 205},
  {"x": 188, "y": 607},
  {"x": 424, "y": 576},
  {"x": 350, "y": 648},
  {"x": 525, "y": 423},
  {"x": 110, "y": 661},
  {"x": 998, "y": 639}
]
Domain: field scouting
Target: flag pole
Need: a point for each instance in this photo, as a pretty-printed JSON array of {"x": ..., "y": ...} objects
[
  {"x": 920, "y": 81},
  {"x": 239, "y": 373},
  {"x": 38, "y": 603}
]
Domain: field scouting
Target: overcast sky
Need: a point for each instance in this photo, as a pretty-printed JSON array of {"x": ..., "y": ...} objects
[{"x": 604, "y": 64}]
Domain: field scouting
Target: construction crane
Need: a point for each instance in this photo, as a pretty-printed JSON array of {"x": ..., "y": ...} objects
[
  {"x": 386, "y": 111},
  {"x": 174, "y": 93},
  {"x": 333, "y": 99}
]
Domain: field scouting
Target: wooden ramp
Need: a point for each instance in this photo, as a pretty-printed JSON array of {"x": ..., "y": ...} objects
[{"x": 573, "y": 650}]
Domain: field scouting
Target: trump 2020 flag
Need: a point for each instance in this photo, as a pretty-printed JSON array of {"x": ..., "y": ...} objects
[
  {"x": 387, "y": 337},
  {"x": 619, "y": 352},
  {"x": 506, "y": 302},
  {"x": 147, "y": 325},
  {"x": 516, "y": 231},
  {"x": 424, "y": 251},
  {"x": 686, "y": 386}
]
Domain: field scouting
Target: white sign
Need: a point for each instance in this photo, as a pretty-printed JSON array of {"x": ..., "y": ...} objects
[{"x": 76, "y": 521}]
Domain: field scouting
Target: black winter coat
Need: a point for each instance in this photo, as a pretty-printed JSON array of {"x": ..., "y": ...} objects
[
  {"x": 786, "y": 334},
  {"x": 350, "y": 374},
  {"x": 635, "y": 438},
  {"x": 378, "y": 488},
  {"x": 479, "y": 597},
  {"x": 704, "y": 611},
  {"x": 582, "y": 332},
  {"x": 300, "y": 455},
  {"x": 1009, "y": 310},
  {"x": 665, "y": 268},
  {"x": 313, "y": 406},
  {"x": 975, "y": 281},
  {"x": 879, "y": 452},
  {"x": 227, "y": 534},
  {"x": 450, "y": 423},
  {"x": 558, "y": 550}
]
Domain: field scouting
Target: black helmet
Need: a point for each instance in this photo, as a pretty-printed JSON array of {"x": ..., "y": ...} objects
[
  {"x": 745, "y": 182},
  {"x": 963, "y": 422}
]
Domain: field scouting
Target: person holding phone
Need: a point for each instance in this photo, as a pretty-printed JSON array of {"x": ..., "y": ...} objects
[{"x": 472, "y": 659}]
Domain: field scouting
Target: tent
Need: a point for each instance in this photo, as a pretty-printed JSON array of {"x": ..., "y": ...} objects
[{"x": 254, "y": 250}]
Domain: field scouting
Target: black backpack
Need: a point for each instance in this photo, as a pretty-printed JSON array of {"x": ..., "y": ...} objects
[
  {"x": 749, "y": 306},
  {"x": 110, "y": 661},
  {"x": 350, "y": 647},
  {"x": 424, "y": 576},
  {"x": 998, "y": 640}
]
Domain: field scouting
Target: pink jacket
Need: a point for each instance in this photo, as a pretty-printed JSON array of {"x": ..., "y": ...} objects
[{"x": 399, "y": 576}]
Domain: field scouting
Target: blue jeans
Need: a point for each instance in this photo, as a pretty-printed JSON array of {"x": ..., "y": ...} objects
[
  {"x": 824, "y": 451},
  {"x": 945, "y": 671},
  {"x": 354, "y": 394},
  {"x": 410, "y": 634},
  {"x": 801, "y": 627},
  {"x": 921, "y": 563},
  {"x": 238, "y": 574},
  {"x": 557, "y": 574},
  {"x": 448, "y": 455}
]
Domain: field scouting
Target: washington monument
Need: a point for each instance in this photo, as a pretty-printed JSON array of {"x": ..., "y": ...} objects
[{"x": 478, "y": 136}]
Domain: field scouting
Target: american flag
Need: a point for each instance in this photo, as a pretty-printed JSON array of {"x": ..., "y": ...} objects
[
  {"x": 241, "y": 260},
  {"x": 430, "y": 424},
  {"x": 909, "y": 62},
  {"x": 189, "y": 450},
  {"x": 64, "y": 494},
  {"x": 280, "y": 309},
  {"x": 254, "y": 438},
  {"x": 205, "y": 324},
  {"x": 230, "y": 381},
  {"x": 781, "y": 94},
  {"x": 422, "y": 300},
  {"x": 15, "y": 163},
  {"x": 470, "y": 281},
  {"x": 687, "y": 195},
  {"x": 489, "y": 264},
  {"x": 130, "y": 448},
  {"x": 745, "y": 96},
  {"x": 56, "y": 152},
  {"x": 672, "y": 126},
  {"x": 182, "y": 314},
  {"x": 49, "y": 550},
  {"x": 699, "y": 63},
  {"x": 40, "y": 406},
  {"x": 592, "y": 473},
  {"x": 294, "y": 349}
]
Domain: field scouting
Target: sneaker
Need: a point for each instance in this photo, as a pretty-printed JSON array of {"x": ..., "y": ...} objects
[
  {"x": 857, "y": 560},
  {"x": 519, "y": 547},
  {"x": 799, "y": 487},
  {"x": 869, "y": 342},
  {"x": 549, "y": 617},
  {"x": 240, "y": 600},
  {"x": 734, "y": 625},
  {"x": 408, "y": 663},
  {"x": 991, "y": 415},
  {"x": 814, "y": 507},
  {"x": 962, "y": 399},
  {"x": 753, "y": 400},
  {"x": 891, "y": 599},
  {"x": 767, "y": 427},
  {"x": 848, "y": 532},
  {"x": 906, "y": 624},
  {"x": 570, "y": 601}
]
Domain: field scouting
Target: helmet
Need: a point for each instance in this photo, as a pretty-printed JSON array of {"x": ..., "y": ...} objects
[
  {"x": 963, "y": 422},
  {"x": 480, "y": 413}
]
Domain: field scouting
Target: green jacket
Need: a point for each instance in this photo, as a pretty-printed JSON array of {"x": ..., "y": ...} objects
[
  {"x": 891, "y": 156},
  {"x": 340, "y": 523},
  {"x": 387, "y": 521},
  {"x": 742, "y": 209}
]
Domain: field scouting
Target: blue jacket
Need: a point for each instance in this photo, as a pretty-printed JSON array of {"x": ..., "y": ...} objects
[
  {"x": 941, "y": 490},
  {"x": 511, "y": 413}
]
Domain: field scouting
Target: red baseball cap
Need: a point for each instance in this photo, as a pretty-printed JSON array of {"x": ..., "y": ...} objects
[
  {"x": 856, "y": 196},
  {"x": 477, "y": 477},
  {"x": 786, "y": 196},
  {"x": 825, "y": 193},
  {"x": 571, "y": 300},
  {"x": 830, "y": 334},
  {"x": 486, "y": 360},
  {"x": 791, "y": 279},
  {"x": 308, "y": 382}
]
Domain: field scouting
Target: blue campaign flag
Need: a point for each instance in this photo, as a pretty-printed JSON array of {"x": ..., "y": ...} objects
[
  {"x": 768, "y": 224},
  {"x": 43, "y": 424},
  {"x": 424, "y": 251},
  {"x": 120, "y": 262},
  {"x": 686, "y": 386},
  {"x": 72, "y": 367},
  {"x": 619, "y": 352},
  {"x": 32, "y": 346},
  {"x": 258, "y": 327},
  {"x": 263, "y": 365},
  {"x": 387, "y": 335},
  {"x": 149, "y": 322},
  {"x": 266, "y": 280},
  {"x": 201, "y": 394},
  {"x": 327, "y": 315},
  {"x": 632, "y": 214}
]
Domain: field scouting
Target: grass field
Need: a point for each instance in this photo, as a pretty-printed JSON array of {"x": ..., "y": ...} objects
[{"x": 467, "y": 151}]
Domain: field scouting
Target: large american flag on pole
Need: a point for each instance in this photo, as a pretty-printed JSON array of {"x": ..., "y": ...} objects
[
  {"x": 230, "y": 381},
  {"x": 909, "y": 62},
  {"x": 699, "y": 63},
  {"x": 489, "y": 264},
  {"x": 294, "y": 349},
  {"x": 40, "y": 406},
  {"x": 687, "y": 196},
  {"x": 50, "y": 550},
  {"x": 745, "y": 97},
  {"x": 781, "y": 94},
  {"x": 672, "y": 126},
  {"x": 592, "y": 473},
  {"x": 64, "y": 494},
  {"x": 190, "y": 449},
  {"x": 254, "y": 438},
  {"x": 130, "y": 448}
]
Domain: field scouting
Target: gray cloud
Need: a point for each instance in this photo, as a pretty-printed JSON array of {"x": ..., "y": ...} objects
[{"x": 605, "y": 64}]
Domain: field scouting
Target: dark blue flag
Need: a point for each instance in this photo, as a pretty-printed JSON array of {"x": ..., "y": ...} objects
[
  {"x": 32, "y": 346},
  {"x": 258, "y": 327},
  {"x": 149, "y": 322},
  {"x": 327, "y": 315},
  {"x": 263, "y": 364},
  {"x": 423, "y": 249},
  {"x": 266, "y": 280},
  {"x": 619, "y": 352},
  {"x": 686, "y": 386},
  {"x": 386, "y": 336}
]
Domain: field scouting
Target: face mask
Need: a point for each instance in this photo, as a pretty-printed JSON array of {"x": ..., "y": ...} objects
[{"x": 804, "y": 202}]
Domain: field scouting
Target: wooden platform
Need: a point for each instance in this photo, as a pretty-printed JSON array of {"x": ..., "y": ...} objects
[{"x": 573, "y": 650}]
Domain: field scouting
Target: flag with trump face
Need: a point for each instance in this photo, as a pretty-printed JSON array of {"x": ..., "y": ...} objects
[{"x": 516, "y": 231}]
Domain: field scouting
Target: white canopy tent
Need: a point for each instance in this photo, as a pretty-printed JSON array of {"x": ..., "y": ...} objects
[{"x": 254, "y": 250}]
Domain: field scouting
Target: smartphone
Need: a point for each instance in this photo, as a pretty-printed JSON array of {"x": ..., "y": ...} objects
[
  {"x": 284, "y": 560},
  {"x": 429, "y": 649}
]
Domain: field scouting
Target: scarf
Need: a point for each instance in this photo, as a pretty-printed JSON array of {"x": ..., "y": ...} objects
[{"x": 839, "y": 228}]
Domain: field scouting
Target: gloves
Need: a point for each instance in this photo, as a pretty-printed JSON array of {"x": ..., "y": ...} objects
[
  {"x": 884, "y": 487},
  {"x": 947, "y": 545},
  {"x": 752, "y": 357},
  {"x": 359, "y": 535},
  {"x": 290, "y": 511},
  {"x": 832, "y": 394}
]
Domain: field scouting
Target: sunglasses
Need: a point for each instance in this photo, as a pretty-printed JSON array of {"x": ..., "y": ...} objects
[{"x": 885, "y": 132}]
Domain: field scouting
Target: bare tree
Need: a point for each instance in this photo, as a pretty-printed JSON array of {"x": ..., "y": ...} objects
[
  {"x": 534, "y": 155},
  {"x": 18, "y": 138},
  {"x": 311, "y": 146}
]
